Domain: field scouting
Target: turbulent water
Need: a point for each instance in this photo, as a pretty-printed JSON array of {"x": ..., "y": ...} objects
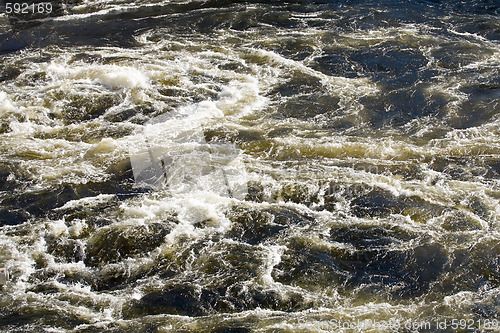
[{"x": 232, "y": 166}]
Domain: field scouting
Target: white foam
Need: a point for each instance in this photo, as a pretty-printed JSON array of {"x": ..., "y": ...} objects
[
  {"x": 112, "y": 76},
  {"x": 274, "y": 253},
  {"x": 120, "y": 77},
  {"x": 5, "y": 103},
  {"x": 241, "y": 97},
  {"x": 87, "y": 201}
]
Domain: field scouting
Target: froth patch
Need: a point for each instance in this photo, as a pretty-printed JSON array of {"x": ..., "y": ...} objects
[
  {"x": 111, "y": 76},
  {"x": 123, "y": 77},
  {"x": 5, "y": 103},
  {"x": 240, "y": 97}
]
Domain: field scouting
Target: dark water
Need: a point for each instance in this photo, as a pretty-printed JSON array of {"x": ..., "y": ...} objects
[{"x": 229, "y": 166}]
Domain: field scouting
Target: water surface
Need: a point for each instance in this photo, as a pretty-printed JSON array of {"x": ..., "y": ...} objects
[{"x": 369, "y": 135}]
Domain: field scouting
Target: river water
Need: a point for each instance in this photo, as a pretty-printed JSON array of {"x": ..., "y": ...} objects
[{"x": 258, "y": 166}]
